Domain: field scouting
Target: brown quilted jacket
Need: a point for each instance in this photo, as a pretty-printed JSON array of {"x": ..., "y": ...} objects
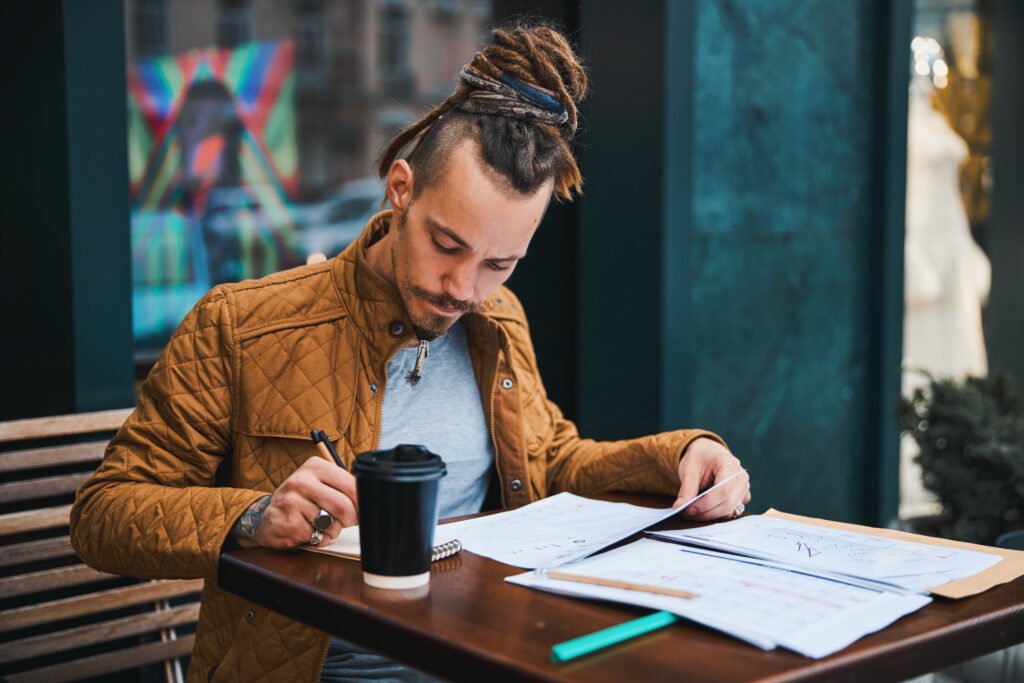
[{"x": 225, "y": 417}]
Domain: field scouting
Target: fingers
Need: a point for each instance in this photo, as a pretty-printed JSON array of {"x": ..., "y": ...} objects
[
  {"x": 331, "y": 488},
  {"x": 689, "y": 486},
  {"x": 315, "y": 485},
  {"x": 722, "y": 502},
  {"x": 705, "y": 464}
]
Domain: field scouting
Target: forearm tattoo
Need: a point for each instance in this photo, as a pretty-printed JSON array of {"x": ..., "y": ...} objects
[{"x": 246, "y": 525}]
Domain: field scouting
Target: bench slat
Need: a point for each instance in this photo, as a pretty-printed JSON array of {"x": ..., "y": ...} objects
[
  {"x": 26, "y": 648},
  {"x": 66, "y": 454},
  {"x": 63, "y": 425},
  {"x": 33, "y": 615},
  {"x": 46, "y": 549},
  {"x": 74, "y": 575},
  {"x": 42, "y": 487},
  {"x": 99, "y": 665},
  {"x": 35, "y": 520}
]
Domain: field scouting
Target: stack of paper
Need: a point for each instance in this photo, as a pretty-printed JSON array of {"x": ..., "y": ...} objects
[
  {"x": 844, "y": 555},
  {"x": 764, "y": 605},
  {"x": 765, "y": 580}
]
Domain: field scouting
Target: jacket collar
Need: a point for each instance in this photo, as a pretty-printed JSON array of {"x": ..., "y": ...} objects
[{"x": 375, "y": 307}]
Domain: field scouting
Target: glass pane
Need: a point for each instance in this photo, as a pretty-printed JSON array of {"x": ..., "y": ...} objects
[
  {"x": 254, "y": 125},
  {"x": 949, "y": 181}
]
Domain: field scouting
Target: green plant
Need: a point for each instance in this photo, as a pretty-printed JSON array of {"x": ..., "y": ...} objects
[{"x": 971, "y": 439}]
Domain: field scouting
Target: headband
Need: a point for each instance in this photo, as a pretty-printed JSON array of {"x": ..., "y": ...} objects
[{"x": 507, "y": 96}]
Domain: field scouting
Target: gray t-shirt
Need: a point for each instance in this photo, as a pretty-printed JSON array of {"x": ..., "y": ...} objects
[{"x": 444, "y": 413}]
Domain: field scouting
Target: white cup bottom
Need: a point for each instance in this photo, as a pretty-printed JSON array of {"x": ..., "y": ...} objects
[{"x": 396, "y": 582}]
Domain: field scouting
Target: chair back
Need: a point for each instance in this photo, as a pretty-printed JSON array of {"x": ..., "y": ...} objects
[{"x": 59, "y": 619}]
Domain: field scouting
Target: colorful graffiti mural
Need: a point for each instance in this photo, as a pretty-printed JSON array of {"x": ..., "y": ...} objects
[{"x": 214, "y": 172}]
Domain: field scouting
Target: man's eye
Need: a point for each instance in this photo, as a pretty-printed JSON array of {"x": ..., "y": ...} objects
[
  {"x": 498, "y": 266},
  {"x": 443, "y": 249}
]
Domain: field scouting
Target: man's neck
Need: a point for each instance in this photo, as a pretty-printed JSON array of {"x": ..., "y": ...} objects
[{"x": 378, "y": 255}]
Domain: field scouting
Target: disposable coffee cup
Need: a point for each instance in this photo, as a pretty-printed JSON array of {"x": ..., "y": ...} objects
[{"x": 397, "y": 491}]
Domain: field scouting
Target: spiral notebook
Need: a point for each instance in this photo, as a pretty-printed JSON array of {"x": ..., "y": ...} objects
[{"x": 347, "y": 545}]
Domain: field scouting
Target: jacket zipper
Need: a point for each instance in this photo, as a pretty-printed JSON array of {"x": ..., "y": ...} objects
[
  {"x": 383, "y": 385},
  {"x": 494, "y": 440},
  {"x": 323, "y": 659}
]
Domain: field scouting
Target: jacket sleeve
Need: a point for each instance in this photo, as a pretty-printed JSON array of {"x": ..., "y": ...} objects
[
  {"x": 151, "y": 509},
  {"x": 584, "y": 466}
]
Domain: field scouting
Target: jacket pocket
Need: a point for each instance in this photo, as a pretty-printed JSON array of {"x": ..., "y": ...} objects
[{"x": 239, "y": 656}]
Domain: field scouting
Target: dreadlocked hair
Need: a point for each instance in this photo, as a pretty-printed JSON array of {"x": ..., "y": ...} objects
[{"x": 525, "y": 153}]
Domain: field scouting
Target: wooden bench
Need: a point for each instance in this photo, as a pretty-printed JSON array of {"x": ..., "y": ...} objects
[{"x": 59, "y": 619}]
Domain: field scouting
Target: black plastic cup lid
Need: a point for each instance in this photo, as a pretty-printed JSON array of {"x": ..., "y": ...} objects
[{"x": 404, "y": 462}]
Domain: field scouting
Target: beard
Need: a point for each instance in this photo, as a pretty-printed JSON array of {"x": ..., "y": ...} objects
[{"x": 431, "y": 326}]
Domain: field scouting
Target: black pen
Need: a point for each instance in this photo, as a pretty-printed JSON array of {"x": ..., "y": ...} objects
[{"x": 324, "y": 444}]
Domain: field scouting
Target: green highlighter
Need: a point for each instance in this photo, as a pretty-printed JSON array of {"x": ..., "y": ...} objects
[{"x": 592, "y": 642}]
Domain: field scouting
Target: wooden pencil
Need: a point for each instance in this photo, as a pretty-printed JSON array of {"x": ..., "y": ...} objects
[{"x": 613, "y": 583}]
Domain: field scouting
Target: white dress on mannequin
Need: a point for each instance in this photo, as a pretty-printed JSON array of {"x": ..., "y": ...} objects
[{"x": 947, "y": 276}]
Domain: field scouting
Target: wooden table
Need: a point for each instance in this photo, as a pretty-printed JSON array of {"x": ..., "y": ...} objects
[{"x": 471, "y": 625}]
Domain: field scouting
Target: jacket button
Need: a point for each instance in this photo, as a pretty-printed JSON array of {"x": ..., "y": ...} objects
[
  {"x": 506, "y": 383},
  {"x": 515, "y": 484},
  {"x": 396, "y": 328},
  {"x": 250, "y": 615},
  {"x": 373, "y": 388}
]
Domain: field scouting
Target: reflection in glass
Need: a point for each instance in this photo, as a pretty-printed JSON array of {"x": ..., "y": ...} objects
[
  {"x": 254, "y": 125},
  {"x": 947, "y": 274},
  {"x": 212, "y": 138}
]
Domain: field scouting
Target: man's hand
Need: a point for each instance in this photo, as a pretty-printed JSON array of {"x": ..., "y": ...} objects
[
  {"x": 284, "y": 518},
  {"x": 705, "y": 463}
]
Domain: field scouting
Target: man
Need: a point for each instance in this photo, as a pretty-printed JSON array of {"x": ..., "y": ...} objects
[{"x": 407, "y": 336}]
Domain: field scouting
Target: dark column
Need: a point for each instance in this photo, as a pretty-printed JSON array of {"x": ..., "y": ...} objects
[
  {"x": 66, "y": 339},
  {"x": 100, "y": 227},
  {"x": 37, "y": 339},
  {"x": 622, "y": 219},
  {"x": 1004, "y": 315},
  {"x": 885, "y": 263}
]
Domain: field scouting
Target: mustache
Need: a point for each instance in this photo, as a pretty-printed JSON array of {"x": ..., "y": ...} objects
[{"x": 447, "y": 301}]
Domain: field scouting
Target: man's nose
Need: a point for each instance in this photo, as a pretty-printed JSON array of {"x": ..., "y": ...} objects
[{"x": 459, "y": 282}]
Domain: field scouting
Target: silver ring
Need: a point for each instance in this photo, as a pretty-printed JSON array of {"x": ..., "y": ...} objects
[
  {"x": 315, "y": 538},
  {"x": 323, "y": 520},
  {"x": 739, "y": 510}
]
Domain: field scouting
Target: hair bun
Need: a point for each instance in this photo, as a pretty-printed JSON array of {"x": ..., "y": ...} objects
[{"x": 541, "y": 56}]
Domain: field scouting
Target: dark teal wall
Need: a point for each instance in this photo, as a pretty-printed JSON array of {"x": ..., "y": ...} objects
[
  {"x": 781, "y": 228},
  {"x": 734, "y": 258}
]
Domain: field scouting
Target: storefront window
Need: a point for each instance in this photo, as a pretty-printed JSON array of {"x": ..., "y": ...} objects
[
  {"x": 253, "y": 127},
  {"x": 949, "y": 181}
]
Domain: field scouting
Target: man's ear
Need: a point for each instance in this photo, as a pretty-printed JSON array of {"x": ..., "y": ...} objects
[{"x": 399, "y": 185}]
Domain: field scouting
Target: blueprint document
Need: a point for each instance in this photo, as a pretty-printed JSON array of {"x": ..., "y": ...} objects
[
  {"x": 763, "y": 605},
  {"x": 553, "y": 530},
  {"x": 896, "y": 564},
  {"x": 559, "y": 529}
]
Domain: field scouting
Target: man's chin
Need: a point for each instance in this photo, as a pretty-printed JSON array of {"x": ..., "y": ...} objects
[{"x": 432, "y": 328}]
